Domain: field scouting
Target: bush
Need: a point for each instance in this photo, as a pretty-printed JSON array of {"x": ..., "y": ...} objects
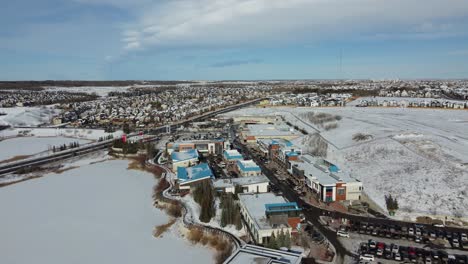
[{"x": 361, "y": 137}]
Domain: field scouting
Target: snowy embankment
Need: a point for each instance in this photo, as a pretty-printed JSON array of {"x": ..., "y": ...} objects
[
  {"x": 193, "y": 210},
  {"x": 20, "y": 142},
  {"x": 26, "y": 146},
  {"x": 27, "y": 116},
  {"x": 100, "y": 209},
  {"x": 419, "y": 156}
]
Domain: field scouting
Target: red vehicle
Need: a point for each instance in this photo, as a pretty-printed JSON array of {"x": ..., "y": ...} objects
[
  {"x": 381, "y": 245},
  {"x": 411, "y": 251}
]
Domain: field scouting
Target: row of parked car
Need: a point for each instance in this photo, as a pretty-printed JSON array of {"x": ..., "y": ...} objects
[
  {"x": 374, "y": 249},
  {"x": 417, "y": 233}
]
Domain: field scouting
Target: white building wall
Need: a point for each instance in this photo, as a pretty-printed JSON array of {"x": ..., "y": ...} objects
[
  {"x": 184, "y": 163},
  {"x": 353, "y": 190}
]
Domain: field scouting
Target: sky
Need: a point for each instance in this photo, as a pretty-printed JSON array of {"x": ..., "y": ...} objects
[{"x": 233, "y": 39}]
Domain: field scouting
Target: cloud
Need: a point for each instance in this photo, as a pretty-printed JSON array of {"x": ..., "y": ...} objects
[
  {"x": 230, "y": 63},
  {"x": 231, "y": 23}
]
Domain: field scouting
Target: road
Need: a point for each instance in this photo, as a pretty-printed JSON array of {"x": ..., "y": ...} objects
[{"x": 311, "y": 214}]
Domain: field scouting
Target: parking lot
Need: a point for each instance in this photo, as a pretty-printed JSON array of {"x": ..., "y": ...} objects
[
  {"x": 415, "y": 234},
  {"x": 391, "y": 251}
]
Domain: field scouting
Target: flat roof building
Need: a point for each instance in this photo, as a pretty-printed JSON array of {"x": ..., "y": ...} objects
[
  {"x": 247, "y": 168},
  {"x": 184, "y": 158},
  {"x": 326, "y": 179},
  {"x": 253, "y": 184},
  {"x": 266, "y": 213},
  {"x": 252, "y": 133},
  {"x": 188, "y": 176},
  {"x": 250, "y": 254}
]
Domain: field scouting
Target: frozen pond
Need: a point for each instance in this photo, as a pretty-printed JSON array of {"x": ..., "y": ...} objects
[
  {"x": 31, "y": 145},
  {"x": 99, "y": 213}
]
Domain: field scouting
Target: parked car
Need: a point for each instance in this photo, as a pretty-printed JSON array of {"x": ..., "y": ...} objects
[
  {"x": 397, "y": 257},
  {"x": 367, "y": 257},
  {"x": 395, "y": 249},
  {"x": 455, "y": 243},
  {"x": 372, "y": 244},
  {"x": 428, "y": 260},
  {"x": 464, "y": 237},
  {"x": 411, "y": 231},
  {"x": 342, "y": 233}
]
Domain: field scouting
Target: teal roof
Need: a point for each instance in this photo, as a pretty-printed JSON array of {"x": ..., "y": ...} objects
[
  {"x": 250, "y": 166},
  {"x": 198, "y": 172}
]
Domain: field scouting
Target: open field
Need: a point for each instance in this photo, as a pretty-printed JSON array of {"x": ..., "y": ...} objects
[{"x": 418, "y": 155}]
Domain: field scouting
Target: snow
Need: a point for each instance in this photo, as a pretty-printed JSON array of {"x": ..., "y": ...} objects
[
  {"x": 91, "y": 134},
  {"x": 194, "y": 210},
  {"x": 27, "y": 116},
  {"x": 32, "y": 145},
  {"x": 418, "y": 155},
  {"x": 102, "y": 91},
  {"x": 100, "y": 213}
]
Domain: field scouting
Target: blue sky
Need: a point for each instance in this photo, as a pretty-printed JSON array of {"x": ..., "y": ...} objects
[{"x": 233, "y": 39}]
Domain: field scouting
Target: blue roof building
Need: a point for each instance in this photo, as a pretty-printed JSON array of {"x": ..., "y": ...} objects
[
  {"x": 248, "y": 168},
  {"x": 185, "y": 155},
  {"x": 187, "y": 176},
  {"x": 231, "y": 155}
]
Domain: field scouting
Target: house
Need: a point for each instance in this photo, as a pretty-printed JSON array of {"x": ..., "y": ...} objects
[
  {"x": 326, "y": 179},
  {"x": 184, "y": 158},
  {"x": 231, "y": 157},
  {"x": 279, "y": 150},
  {"x": 265, "y": 213},
  {"x": 256, "y": 254},
  {"x": 187, "y": 177},
  {"x": 254, "y": 184},
  {"x": 247, "y": 168}
]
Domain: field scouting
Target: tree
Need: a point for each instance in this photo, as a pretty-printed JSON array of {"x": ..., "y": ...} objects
[
  {"x": 272, "y": 242},
  {"x": 287, "y": 240},
  {"x": 204, "y": 196},
  {"x": 281, "y": 238}
]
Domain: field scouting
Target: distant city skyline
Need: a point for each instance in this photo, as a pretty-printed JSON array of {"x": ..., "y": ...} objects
[{"x": 233, "y": 39}]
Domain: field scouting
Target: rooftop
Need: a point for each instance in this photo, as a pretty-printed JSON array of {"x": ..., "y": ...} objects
[
  {"x": 315, "y": 167},
  {"x": 195, "y": 173},
  {"x": 223, "y": 183},
  {"x": 282, "y": 207},
  {"x": 250, "y": 254},
  {"x": 255, "y": 205},
  {"x": 248, "y": 165},
  {"x": 270, "y": 130},
  {"x": 185, "y": 155},
  {"x": 232, "y": 154}
]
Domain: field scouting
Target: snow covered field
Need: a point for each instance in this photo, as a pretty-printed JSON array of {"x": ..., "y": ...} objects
[
  {"x": 100, "y": 213},
  {"x": 32, "y": 145},
  {"x": 90, "y": 134},
  {"x": 26, "y": 116},
  {"x": 102, "y": 91},
  {"x": 418, "y": 155}
]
